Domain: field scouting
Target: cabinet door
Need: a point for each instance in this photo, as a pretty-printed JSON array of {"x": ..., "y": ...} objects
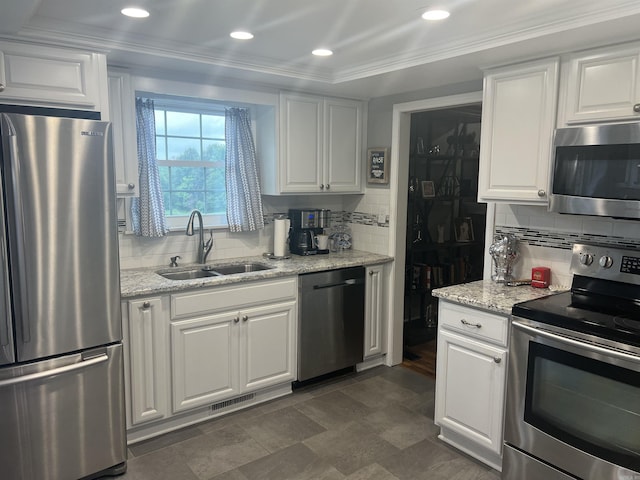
[
  {"x": 122, "y": 114},
  {"x": 52, "y": 77},
  {"x": 301, "y": 143},
  {"x": 147, "y": 358},
  {"x": 343, "y": 146},
  {"x": 518, "y": 119},
  {"x": 373, "y": 312},
  {"x": 204, "y": 360},
  {"x": 267, "y": 346},
  {"x": 470, "y": 389},
  {"x": 601, "y": 85}
]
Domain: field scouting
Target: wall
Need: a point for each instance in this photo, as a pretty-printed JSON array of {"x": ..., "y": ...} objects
[{"x": 546, "y": 238}]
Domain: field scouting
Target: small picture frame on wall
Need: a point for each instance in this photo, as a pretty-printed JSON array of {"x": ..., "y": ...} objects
[
  {"x": 378, "y": 165},
  {"x": 464, "y": 230},
  {"x": 428, "y": 189}
]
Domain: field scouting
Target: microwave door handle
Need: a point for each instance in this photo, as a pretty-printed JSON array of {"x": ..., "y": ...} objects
[
  {"x": 577, "y": 343},
  {"x": 22, "y": 303}
]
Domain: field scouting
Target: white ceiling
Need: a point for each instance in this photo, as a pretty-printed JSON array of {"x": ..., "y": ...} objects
[{"x": 381, "y": 47}]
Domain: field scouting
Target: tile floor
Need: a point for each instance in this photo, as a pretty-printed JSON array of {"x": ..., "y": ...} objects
[{"x": 376, "y": 424}]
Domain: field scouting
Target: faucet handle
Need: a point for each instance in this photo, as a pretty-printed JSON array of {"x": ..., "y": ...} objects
[{"x": 174, "y": 261}]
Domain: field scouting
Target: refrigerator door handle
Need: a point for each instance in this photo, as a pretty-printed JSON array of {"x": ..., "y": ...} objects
[
  {"x": 56, "y": 371},
  {"x": 21, "y": 250}
]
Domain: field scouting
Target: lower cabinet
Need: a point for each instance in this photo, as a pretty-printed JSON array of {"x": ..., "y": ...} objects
[
  {"x": 220, "y": 356},
  {"x": 471, "y": 380},
  {"x": 195, "y": 349}
]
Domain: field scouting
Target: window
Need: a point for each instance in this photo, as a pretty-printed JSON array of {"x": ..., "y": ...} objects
[{"x": 190, "y": 147}]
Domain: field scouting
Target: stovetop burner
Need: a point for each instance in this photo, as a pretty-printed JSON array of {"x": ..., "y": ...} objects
[{"x": 604, "y": 299}]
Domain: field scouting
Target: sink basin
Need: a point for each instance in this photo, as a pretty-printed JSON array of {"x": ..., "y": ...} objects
[
  {"x": 214, "y": 271},
  {"x": 188, "y": 274},
  {"x": 240, "y": 268}
]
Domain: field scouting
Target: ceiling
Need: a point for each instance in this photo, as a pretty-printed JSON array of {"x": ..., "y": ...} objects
[{"x": 381, "y": 47}]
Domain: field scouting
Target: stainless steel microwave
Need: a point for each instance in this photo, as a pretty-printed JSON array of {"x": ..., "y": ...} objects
[{"x": 596, "y": 171}]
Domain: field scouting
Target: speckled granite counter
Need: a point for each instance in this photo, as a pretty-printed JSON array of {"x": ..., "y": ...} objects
[
  {"x": 490, "y": 295},
  {"x": 145, "y": 281}
]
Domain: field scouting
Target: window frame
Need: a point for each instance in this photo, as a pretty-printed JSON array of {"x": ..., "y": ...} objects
[{"x": 201, "y": 107}]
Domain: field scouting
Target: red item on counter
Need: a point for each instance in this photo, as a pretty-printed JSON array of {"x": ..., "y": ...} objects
[{"x": 540, "y": 277}]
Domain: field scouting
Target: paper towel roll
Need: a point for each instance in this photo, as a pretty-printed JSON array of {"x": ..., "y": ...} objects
[{"x": 280, "y": 231}]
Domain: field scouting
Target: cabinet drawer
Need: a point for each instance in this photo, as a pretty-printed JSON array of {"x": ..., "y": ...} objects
[
  {"x": 238, "y": 295},
  {"x": 475, "y": 323}
]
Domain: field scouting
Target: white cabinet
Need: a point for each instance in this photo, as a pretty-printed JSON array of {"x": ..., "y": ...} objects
[
  {"x": 471, "y": 380},
  {"x": 146, "y": 325},
  {"x": 204, "y": 361},
  {"x": 122, "y": 114},
  {"x": 232, "y": 340},
  {"x": 320, "y": 145},
  {"x": 52, "y": 77},
  {"x": 600, "y": 85},
  {"x": 373, "y": 311},
  {"x": 518, "y": 120}
]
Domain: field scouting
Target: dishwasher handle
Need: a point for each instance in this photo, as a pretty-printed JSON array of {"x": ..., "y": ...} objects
[{"x": 345, "y": 283}]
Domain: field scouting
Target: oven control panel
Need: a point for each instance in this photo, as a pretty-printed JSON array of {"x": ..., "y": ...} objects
[{"x": 606, "y": 262}]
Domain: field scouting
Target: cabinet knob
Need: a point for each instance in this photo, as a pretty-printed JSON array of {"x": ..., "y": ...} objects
[
  {"x": 542, "y": 193},
  {"x": 1, "y": 87},
  {"x": 131, "y": 186},
  {"x": 371, "y": 273},
  {"x": 245, "y": 318},
  {"x": 146, "y": 305},
  {"x": 497, "y": 359},
  {"x": 236, "y": 320},
  {"x": 328, "y": 186},
  {"x": 636, "y": 107},
  {"x": 322, "y": 186},
  {"x": 469, "y": 324}
]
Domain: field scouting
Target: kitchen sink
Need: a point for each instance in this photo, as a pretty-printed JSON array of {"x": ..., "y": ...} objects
[
  {"x": 214, "y": 271},
  {"x": 240, "y": 268}
]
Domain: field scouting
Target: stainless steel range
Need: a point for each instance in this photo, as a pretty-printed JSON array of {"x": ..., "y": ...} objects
[{"x": 573, "y": 394}]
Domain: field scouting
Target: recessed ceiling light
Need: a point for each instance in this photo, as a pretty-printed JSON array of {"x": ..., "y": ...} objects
[
  {"x": 135, "y": 12},
  {"x": 322, "y": 52},
  {"x": 241, "y": 35},
  {"x": 435, "y": 14}
]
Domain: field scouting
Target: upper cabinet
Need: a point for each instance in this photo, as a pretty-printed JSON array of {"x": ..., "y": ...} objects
[
  {"x": 123, "y": 118},
  {"x": 52, "y": 77},
  {"x": 518, "y": 119},
  {"x": 600, "y": 85},
  {"x": 320, "y": 146}
]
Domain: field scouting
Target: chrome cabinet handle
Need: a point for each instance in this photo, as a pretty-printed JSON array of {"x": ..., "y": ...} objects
[
  {"x": 541, "y": 193},
  {"x": 322, "y": 186},
  {"x": 245, "y": 318},
  {"x": 146, "y": 305},
  {"x": 236, "y": 320},
  {"x": 636, "y": 107},
  {"x": 2, "y": 87},
  {"x": 371, "y": 273},
  {"x": 497, "y": 359},
  {"x": 328, "y": 186},
  {"x": 469, "y": 324},
  {"x": 131, "y": 186}
]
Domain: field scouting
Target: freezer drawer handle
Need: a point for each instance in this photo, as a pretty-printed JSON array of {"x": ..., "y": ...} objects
[{"x": 56, "y": 371}]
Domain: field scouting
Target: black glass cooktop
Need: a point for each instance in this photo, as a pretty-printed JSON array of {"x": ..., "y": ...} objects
[{"x": 607, "y": 317}]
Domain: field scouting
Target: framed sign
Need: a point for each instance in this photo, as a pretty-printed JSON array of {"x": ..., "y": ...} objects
[{"x": 378, "y": 165}]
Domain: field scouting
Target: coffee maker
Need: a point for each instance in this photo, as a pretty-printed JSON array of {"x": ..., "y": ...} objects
[{"x": 306, "y": 223}]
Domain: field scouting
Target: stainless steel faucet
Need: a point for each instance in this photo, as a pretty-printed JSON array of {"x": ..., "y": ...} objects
[{"x": 203, "y": 247}]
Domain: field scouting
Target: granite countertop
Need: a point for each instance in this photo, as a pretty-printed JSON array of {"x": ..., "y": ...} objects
[
  {"x": 145, "y": 281},
  {"x": 490, "y": 295}
]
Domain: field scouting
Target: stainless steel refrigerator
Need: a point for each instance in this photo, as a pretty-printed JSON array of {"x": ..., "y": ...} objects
[{"x": 61, "y": 361}]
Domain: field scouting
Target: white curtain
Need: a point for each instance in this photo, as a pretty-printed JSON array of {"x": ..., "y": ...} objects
[
  {"x": 244, "y": 203},
  {"x": 147, "y": 211}
]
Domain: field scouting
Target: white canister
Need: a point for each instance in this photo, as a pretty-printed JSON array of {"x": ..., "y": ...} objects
[{"x": 280, "y": 233}]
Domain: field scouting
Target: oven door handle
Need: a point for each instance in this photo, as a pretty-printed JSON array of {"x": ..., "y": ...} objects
[{"x": 577, "y": 343}]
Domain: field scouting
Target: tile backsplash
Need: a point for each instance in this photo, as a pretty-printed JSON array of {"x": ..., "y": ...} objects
[{"x": 546, "y": 238}]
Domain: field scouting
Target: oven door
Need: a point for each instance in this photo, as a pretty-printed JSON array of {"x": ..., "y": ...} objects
[{"x": 572, "y": 403}]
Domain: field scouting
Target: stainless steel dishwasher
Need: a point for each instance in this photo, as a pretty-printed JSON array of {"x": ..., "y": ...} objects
[{"x": 331, "y": 325}]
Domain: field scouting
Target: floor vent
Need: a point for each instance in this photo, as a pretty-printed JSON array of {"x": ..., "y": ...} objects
[{"x": 233, "y": 401}]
